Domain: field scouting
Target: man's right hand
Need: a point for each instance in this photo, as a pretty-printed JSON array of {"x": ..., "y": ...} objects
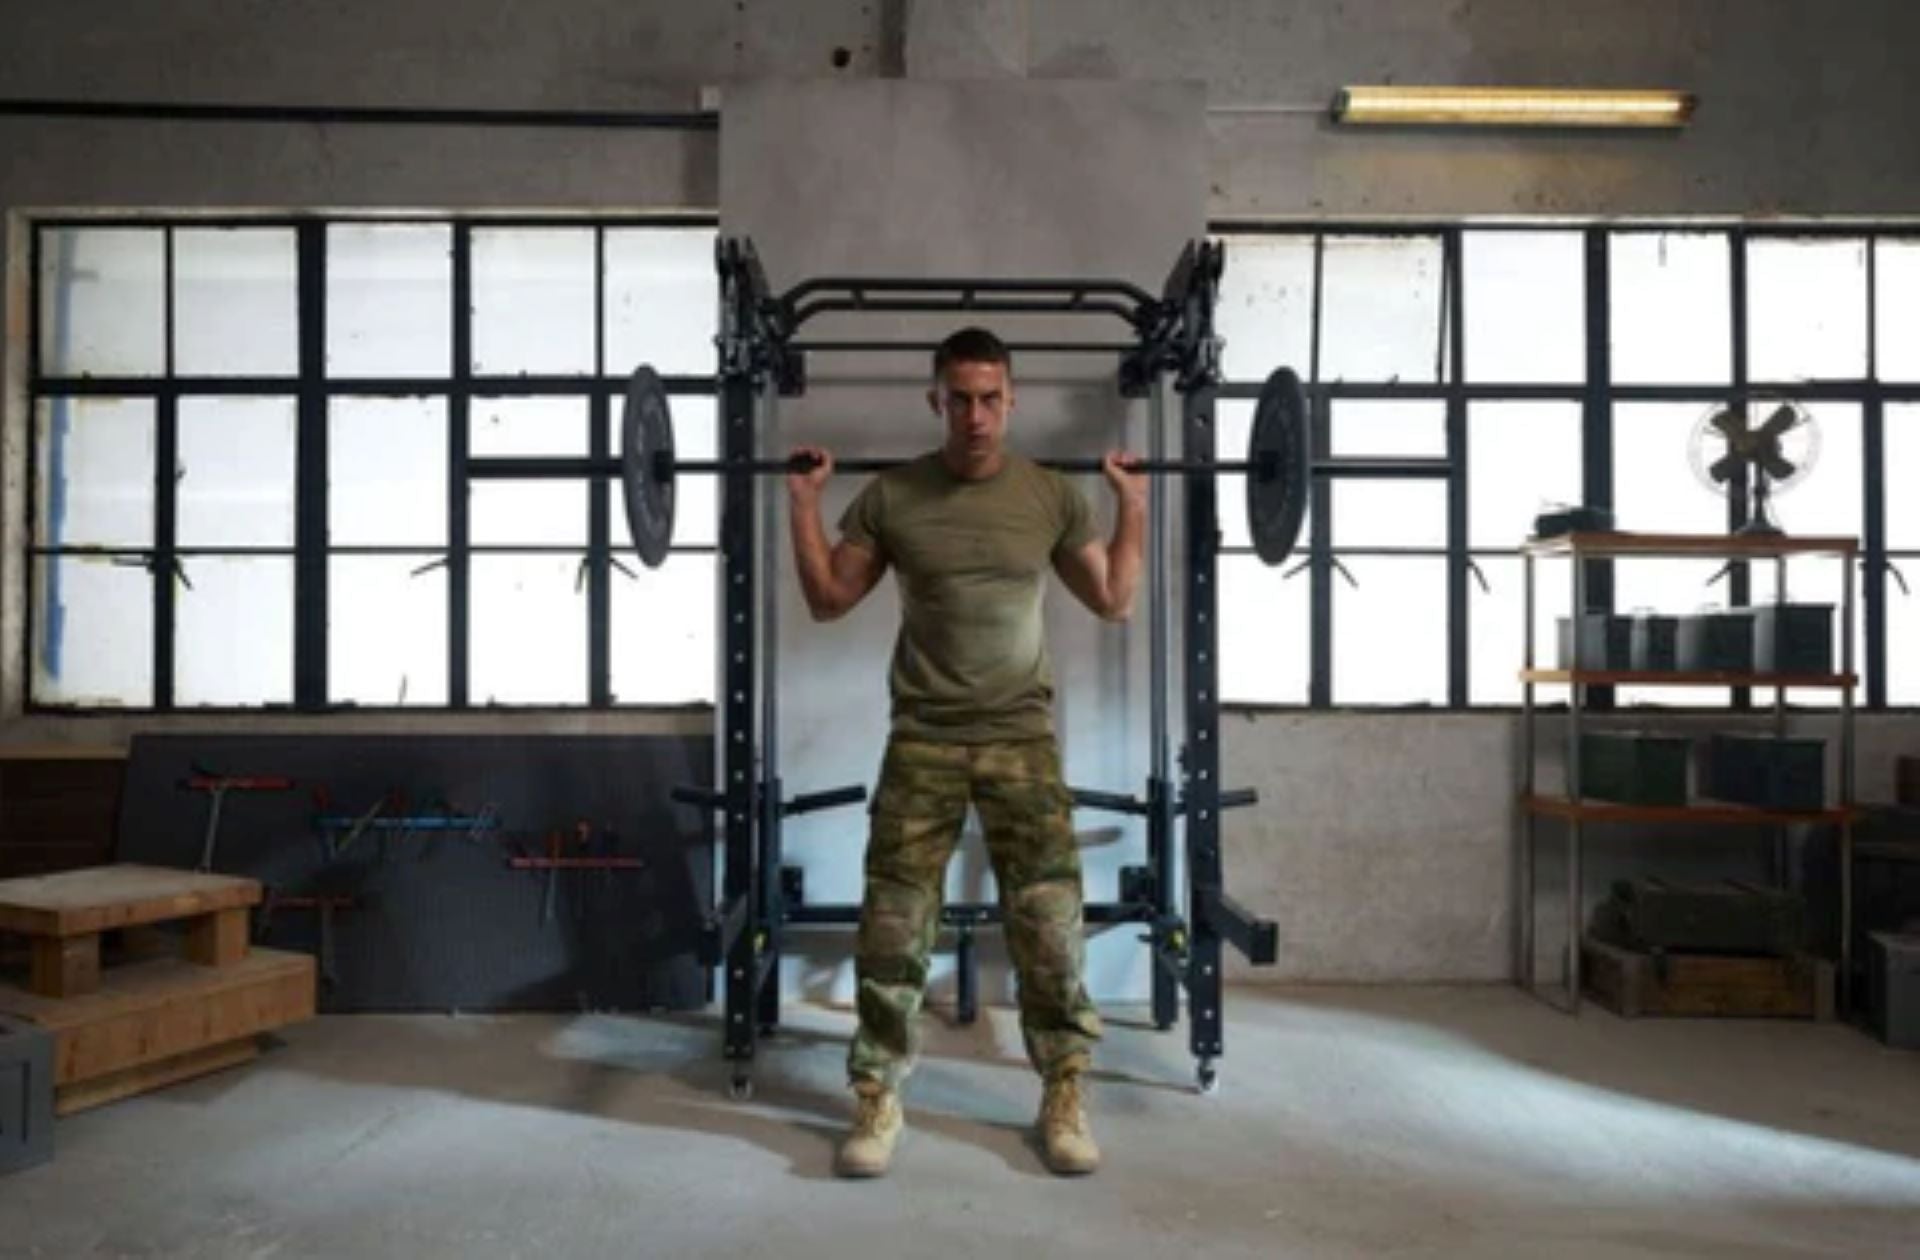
[{"x": 807, "y": 485}]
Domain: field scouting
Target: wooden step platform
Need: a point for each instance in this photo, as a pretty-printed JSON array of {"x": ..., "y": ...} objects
[
  {"x": 1633, "y": 984},
  {"x": 154, "y": 1020}
]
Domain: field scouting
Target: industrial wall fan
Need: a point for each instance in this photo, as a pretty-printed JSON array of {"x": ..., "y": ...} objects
[{"x": 1771, "y": 457}]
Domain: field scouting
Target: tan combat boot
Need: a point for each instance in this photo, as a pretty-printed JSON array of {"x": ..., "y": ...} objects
[
  {"x": 1064, "y": 1134},
  {"x": 876, "y": 1127}
]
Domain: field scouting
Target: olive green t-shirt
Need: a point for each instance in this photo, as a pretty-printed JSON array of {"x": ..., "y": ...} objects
[{"x": 970, "y": 665}]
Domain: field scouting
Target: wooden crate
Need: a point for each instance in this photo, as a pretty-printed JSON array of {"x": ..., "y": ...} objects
[{"x": 1634, "y": 984}]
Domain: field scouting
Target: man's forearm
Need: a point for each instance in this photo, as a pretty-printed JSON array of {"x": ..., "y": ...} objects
[
  {"x": 1124, "y": 557},
  {"x": 813, "y": 558}
]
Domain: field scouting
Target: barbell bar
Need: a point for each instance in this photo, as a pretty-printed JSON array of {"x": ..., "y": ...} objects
[{"x": 1278, "y": 472}]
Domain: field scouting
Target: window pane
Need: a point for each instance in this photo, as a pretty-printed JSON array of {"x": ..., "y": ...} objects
[
  {"x": 1525, "y": 306},
  {"x": 1390, "y": 631},
  {"x": 663, "y": 300},
  {"x": 532, "y": 301},
  {"x": 387, "y": 630},
  {"x": 696, "y": 496},
  {"x": 1672, "y": 587},
  {"x": 528, "y": 513},
  {"x": 1902, "y": 472},
  {"x": 1265, "y": 656},
  {"x": 1387, "y": 513},
  {"x": 1806, "y": 310},
  {"x": 663, "y": 623},
  {"x": 233, "y": 631},
  {"x": 236, "y": 472},
  {"x": 1380, "y": 314},
  {"x": 93, "y": 483},
  {"x": 1521, "y": 457},
  {"x": 1234, "y": 421},
  {"x": 1672, "y": 313},
  {"x": 1826, "y": 497},
  {"x": 1265, "y": 308},
  {"x": 236, "y": 308},
  {"x": 1496, "y": 650},
  {"x": 387, "y": 472},
  {"x": 102, "y": 302},
  {"x": 1371, "y": 426},
  {"x": 389, "y": 299},
  {"x": 1656, "y": 488},
  {"x": 1897, "y": 323},
  {"x": 1903, "y": 636},
  {"x": 92, "y": 632},
  {"x": 528, "y": 630}
]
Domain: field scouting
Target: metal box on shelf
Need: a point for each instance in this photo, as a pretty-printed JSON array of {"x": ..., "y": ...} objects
[
  {"x": 1653, "y": 643},
  {"x": 1793, "y": 638},
  {"x": 1715, "y": 642},
  {"x": 1605, "y": 642},
  {"x": 1727, "y": 917},
  {"x": 1772, "y": 772},
  {"x": 26, "y": 1095},
  {"x": 1634, "y": 769},
  {"x": 1893, "y": 988},
  {"x": 1907, "y": 781}
]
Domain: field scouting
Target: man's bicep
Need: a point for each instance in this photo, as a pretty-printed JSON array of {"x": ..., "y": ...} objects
[{"x": 858, "y": 567}]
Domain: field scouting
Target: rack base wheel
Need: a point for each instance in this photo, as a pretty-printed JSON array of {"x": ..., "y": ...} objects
[
  {"x": 740, "y": 1087},
  {"x": 1206, "y": 1077}
]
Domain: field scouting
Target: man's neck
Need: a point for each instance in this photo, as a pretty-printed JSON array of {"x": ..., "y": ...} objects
[{"x": 970, "y": 468}]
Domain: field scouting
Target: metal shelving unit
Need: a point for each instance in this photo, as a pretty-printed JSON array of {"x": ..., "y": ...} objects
[{"x": 1575, "y": 812}]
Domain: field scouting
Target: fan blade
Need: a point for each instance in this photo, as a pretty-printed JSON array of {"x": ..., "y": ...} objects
[
  {"x": 1783, "y": 418},
  {"x": 1722, "y": 469},
  {"x": 1729, "y": 422},
  {"x": 1778, "y": 466}
]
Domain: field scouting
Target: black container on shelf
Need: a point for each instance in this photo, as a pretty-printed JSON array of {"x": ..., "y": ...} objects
[
  {"x": 1634, "y": 769},
  {"x": 1654, "y": 643},
  {"x": 1773, "y": 772},
  {"x": 1606, "y": 642},
  {"x": 1715, "y": 642},
  {"x": 1793, "y": 638}
]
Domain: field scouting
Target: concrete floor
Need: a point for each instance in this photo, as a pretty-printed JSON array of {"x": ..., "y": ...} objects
[{"x": 1433, "y": 1121}]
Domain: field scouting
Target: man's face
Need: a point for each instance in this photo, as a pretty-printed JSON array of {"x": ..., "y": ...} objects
[{"x": 975, "y": 400}]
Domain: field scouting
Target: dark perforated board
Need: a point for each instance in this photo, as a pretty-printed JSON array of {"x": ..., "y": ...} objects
[{"x": 440, "y": 920}]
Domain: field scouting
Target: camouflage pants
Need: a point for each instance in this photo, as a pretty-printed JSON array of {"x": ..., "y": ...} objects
[{"x": 917, "y": 814}]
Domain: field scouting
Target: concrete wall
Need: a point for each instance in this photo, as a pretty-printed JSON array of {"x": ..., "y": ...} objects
[{"x": 1383, "y": 843}]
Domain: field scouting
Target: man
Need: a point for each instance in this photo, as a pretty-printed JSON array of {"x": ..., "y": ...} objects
[{"x": 970, "y": 530}]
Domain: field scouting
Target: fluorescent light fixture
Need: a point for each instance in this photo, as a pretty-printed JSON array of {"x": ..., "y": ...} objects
[{"x": 1512, "y": 107}]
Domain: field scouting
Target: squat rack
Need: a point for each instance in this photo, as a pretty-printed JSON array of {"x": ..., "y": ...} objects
[{"x": 1170, "y": 340}]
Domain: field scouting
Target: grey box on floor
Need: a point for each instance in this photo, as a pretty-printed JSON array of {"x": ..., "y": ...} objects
[
  {"x": 1893, "y": 988},
  {"x": 26, "y": 1095}
]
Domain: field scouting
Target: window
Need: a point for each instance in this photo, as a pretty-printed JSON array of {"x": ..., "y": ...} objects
[
  {"x": 1616, "y": 344},
  {"x": 194, "y": 448}
]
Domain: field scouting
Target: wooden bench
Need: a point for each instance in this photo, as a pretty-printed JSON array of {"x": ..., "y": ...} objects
[{"x": 157, "y": 1019}]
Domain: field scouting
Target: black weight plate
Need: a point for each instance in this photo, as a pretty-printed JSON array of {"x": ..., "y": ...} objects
[
  {"x": 646, "y": 451},
  {"x": 1280, "y": 480}
]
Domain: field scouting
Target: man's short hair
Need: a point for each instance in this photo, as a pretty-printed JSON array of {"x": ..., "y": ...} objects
[{"x": 971, "y": 345}]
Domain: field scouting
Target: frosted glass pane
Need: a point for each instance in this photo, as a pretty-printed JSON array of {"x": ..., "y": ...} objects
[
  {"x": 389, "y": 299},
  {"x": 1655, "y": 488},
  {"x": 696, "y": 507},
  {"x": 233, "y": 631},
  {"x": 663, "y": 620},
  {"x": 1902, "y": 474},
  {"x": 663, "y": 300},
  {"x": 1367, "y": 426},
  {"x": 1265, "y": 656},
  {"x": 1672, "y": 308},
  {"x": 1829, "y": 497},
  {"x": 1496, "y": 645},
  {"x": 387, "y": 472},
  {"x": 1387, "y": 513},
  {"x": 236, "y": 472},
  {"x": 532, "y": 301},
  {"x": 1806, "y": 310},
  {"x": 94, "y": 472},
  {"x": 92, "y": 632},
  {"x": 1390, "y": 632},
  {"x": 1525, "y": 306},
  {"x": 1673, "y": 587},
  {"x": 535, "y": 512},
  {"x": 528, "y": 630},
  {"x": 1521, "y": 457},
  {"x": 1234, "y": 421},
  {"x": 1897, "y": 323},
  {"x": 236, "y": 302},
  {"x": 103, "y": 302},
  {"x": 1265, "y": 308},
  {"x": 387, "y": 630},
  {"x": 1903, "y": 637},
  {"x": 1380, "y": 313}
]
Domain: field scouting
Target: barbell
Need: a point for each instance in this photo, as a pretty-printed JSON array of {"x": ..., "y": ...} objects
[{"x": 1278, "y": 468}]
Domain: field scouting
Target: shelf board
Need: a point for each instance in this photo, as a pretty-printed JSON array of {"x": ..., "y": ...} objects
[
  {"x": 1705, "y": 812},
  {"x": 1711, "y": 546},
  {"x": 1675, "y": 678}
]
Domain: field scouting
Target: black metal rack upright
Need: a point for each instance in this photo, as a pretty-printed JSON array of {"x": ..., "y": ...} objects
[{"x": 1171, "y": 340}]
